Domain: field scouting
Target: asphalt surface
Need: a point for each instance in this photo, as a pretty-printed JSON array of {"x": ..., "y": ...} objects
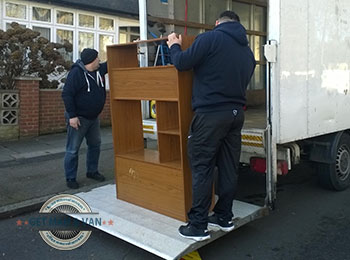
[
  {"x": 31, "y": 171},
  {"x": 308, "y": 223}
]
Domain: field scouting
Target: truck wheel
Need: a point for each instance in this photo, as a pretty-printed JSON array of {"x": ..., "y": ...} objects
[{"x": 336, "y": 175}]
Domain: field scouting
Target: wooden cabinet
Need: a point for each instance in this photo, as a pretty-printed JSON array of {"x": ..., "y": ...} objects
[{"x": 159, "y": 180}]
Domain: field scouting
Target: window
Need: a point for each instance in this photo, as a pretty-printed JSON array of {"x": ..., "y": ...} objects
[
  {"x": 86, "y": 21},
  {"x": 122, "y": 37},
  {"x": 16, "y": 10},
  {"x": 44, "y": 32},
  {"x": 64, "y": 35},
  {"x": 8, "y": 26},
  {"x": 243, "y": 11},
  {"x": 86, "y": 40},
  {"x": 104, "y": 40},
  {"x": 134, "y": 33},
  {"x": 106, "y": 24},
  {"x": 212, "y": 9},
  {"x": 65, "y": 17},
  {"x": 83, "y": 29},
  {"x": 259, "y": 77},
  {"x": 253, "y": 17},
  {"x": 61, "y": 37},
  {"x": 260, "y": 18},
  {"x": 41, "y": 14},
  {"x": 128, "y": 34}
]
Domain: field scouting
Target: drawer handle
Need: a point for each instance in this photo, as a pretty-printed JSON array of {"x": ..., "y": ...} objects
[{"x": 132, "y": 173}]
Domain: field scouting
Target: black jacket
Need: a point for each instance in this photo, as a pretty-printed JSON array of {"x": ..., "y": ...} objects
[
  {"x": 223, "y": 65},
  {"x": 84, "y": 92}
]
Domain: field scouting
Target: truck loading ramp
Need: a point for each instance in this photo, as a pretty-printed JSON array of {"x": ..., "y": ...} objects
[{"x": 150, "y": 230}]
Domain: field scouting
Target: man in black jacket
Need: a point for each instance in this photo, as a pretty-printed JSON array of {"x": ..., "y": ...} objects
[
  {"x": 84, "y": 96},
  {"x": 223, "y": 65}
]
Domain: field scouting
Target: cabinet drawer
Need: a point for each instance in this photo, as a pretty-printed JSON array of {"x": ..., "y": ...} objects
[
  {"x": 151, "y": 186},
  {"x": 147, "y": 83}
]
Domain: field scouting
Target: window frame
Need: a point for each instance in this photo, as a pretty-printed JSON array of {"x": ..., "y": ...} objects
[
  {"x": 77, "y": 42},
  {"x": 67, "y": 11},
  {"x": 42, "y": 26},
  {"x": 9, "y": 21},
  {"x": 86, "y": 28},
  {"x": 105, "y": 34},
  {"x": 255, "y": 33},
  {"x": 106, "y": 17},
  {"x": 15, "y": 18},
  {"x": 128, "y": 33},
  {"x": 66, "y": 29},
  {"x": 31, "y": 6}
]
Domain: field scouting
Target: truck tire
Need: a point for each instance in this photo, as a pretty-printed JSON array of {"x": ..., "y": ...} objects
[{"x": 336, "y": 175}]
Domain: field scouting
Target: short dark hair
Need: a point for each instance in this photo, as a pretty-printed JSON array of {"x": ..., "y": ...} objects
[{"x": 229, "y": 15}]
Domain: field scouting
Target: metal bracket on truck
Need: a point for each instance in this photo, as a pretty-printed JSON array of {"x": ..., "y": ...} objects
[{"x": 270, "y": 51}]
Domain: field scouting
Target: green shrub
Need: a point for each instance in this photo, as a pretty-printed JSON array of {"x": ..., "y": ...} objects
[{"x": 23, "y": 52}]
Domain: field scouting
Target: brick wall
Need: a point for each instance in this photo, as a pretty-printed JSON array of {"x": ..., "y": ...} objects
[
  {"x": 29, "y": 106},
  {"x": 105, "y": 116},
  {"x": 42, "y": 111},
  {"x": 52, "y": 112}
]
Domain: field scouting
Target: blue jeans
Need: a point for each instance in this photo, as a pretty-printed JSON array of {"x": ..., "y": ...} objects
[{"x": 90, "y": 129}]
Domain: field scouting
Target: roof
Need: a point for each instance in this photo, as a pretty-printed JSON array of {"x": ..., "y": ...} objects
[{"x": 116, "y": 7}]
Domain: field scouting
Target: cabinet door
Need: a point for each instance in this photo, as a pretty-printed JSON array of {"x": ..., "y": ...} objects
[{"x": 151, "y": 186}]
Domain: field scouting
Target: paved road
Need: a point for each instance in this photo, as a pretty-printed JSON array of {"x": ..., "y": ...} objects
[
  {"x": 45, "y": 176},
  {"x": 309, "y": 223}
]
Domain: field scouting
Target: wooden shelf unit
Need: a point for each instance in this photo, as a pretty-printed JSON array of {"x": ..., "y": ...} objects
[{"x": 159, "y": 180}]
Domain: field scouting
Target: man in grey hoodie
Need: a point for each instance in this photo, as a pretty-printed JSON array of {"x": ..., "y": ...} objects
[{"x": 84, "y": 96}]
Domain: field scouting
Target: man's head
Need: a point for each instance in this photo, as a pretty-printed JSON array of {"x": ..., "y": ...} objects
[
  {"x": 227, "y": 16},
  {"x": 90, "y": 59}
]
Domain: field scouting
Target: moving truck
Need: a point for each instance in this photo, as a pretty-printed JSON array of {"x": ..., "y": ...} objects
[
  {"x": 307, "y": 94},
  {"x": 303, "y": 113}
]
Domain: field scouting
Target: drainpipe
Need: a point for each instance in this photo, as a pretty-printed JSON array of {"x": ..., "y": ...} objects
[
  {"x": 143, "y": 33},
  {"x": 143, "y": 51}
]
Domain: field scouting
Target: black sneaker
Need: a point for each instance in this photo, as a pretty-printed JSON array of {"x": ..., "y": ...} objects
[
  {"x": 95, "y": 175},
  {"x": 224, "y": 225},
  {"x": 190, "y": 231},
  {"x": 72, "y": 184}
]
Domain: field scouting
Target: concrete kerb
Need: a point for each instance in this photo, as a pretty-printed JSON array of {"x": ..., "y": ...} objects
[{"x": 31, "y": 205}]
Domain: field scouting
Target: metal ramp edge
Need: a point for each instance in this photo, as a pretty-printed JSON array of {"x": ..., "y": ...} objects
[{"x": 150, "y": 230}]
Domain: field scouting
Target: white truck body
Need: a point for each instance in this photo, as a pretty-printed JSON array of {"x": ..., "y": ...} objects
[
  {"x": 307, "y": 93},
  {"x": 310, "y": 79}
]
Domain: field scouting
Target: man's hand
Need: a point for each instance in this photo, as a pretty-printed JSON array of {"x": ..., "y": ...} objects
[
  {"x": 172, "y": 39},
  {"x": 74, "y": 122}
]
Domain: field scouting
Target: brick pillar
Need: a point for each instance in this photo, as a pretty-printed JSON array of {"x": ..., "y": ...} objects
[
  {"x": 29, "y": 106},
  {"x": 105, "y": 116}
]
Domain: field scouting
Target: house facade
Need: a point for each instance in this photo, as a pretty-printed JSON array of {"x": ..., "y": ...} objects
[
  {"x": 93, "y": 24},
  {"x": 96, "y": 24}
]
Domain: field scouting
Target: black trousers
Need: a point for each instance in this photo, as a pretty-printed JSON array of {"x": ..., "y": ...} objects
[{"x": 214, "y": 140}]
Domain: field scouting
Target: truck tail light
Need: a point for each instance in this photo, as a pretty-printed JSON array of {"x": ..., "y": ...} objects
[{"x": 259, "y": 165}]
